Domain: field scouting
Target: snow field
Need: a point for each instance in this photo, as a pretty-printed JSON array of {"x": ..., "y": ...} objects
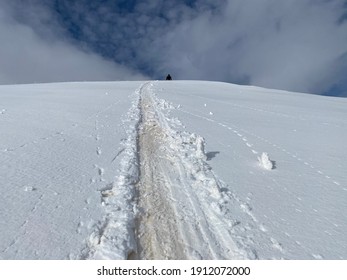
[{"x": 94, "y": 171}]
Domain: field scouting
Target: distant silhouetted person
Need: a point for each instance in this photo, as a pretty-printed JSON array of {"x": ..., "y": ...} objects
[{"x": 168, "y": 77}]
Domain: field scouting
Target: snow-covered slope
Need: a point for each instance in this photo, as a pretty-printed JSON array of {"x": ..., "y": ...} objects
[{"x": 177, "y": 169}]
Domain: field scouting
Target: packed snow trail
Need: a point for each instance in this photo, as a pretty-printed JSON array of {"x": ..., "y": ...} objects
[
  {"x": 158, "y": 232},
  {"x": 185, "y": 212}
]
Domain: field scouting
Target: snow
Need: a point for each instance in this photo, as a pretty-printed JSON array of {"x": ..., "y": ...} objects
[
  {"x": 265, "y": 161},
  {"x": 171, "y": 170}
]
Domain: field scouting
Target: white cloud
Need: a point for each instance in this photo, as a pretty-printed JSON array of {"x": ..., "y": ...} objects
[
  {"x": 291, "y": 45},
  {"x": 27, "y": 57},
  {"x": 296, "y": 45}
]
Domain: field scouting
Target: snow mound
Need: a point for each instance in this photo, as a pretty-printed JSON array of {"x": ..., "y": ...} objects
[
  {"x": 265, "y": 161},
  {"x": 198, "y": 144}
]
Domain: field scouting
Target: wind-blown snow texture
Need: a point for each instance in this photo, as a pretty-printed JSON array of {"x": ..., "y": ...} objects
[{"x": 127, "y": 169}]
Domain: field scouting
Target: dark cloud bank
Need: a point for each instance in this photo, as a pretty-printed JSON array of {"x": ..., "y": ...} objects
[{"x": 298, "y": 45}]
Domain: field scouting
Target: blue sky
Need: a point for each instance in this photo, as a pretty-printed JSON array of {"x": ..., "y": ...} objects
[{"x": 297, "y": 45}]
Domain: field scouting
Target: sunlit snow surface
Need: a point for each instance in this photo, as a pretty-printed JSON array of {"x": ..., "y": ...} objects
[{"x": 69, "y": 165}]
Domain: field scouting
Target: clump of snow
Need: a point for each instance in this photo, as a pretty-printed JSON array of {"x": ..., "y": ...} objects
[
  {"x": 265, "y": 161},
  {"x": 29, "y": 189},
  {"x": 198, "y": 143},
  {"x": 164, "y": 104}
]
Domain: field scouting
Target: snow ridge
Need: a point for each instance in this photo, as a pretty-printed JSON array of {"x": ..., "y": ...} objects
[{"x": 113, "y": 238}]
